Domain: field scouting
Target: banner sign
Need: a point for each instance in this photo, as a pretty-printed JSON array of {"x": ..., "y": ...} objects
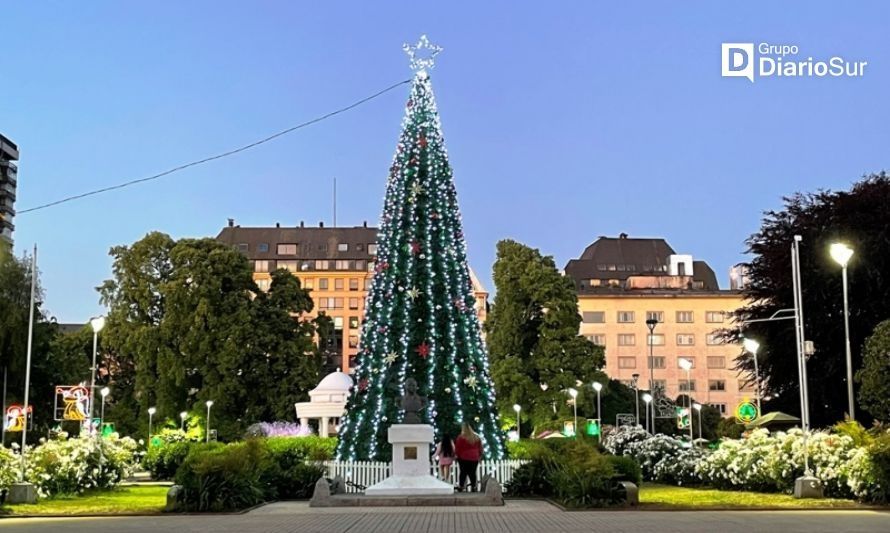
[
  {"x": 72, "y": 402},
  {"x": 15, "y": 418}
]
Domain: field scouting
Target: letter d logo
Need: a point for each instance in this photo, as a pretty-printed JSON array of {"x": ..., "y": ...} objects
[{"x": 738, "y": 60}]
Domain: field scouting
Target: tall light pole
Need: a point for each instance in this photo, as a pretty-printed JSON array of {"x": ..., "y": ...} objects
[
  {"x": 151, "y": 413},
  {"x": 209, "y": 404},
  {"x": 182, "y": 416},
  {"x": 28, "y": 361},
  {"x": 686, "y": 365},
  {"x": 842, "y": 254},
  {"x": 97, "y": 324},
  {"x": 518, "y": 408},
  {"x": 648, "y": 399},
  {"x": 752, "y": 346},
  {"x": 636, "y": 383},
  {"x": 597, "y": 386},
  {"x": 574, "y": 394},
  {"x": 651, "y": 323},
  {"x": 800, "y": 337},
  {"x": 697, "y": 407},
  {"x": 104, "y": 392}
]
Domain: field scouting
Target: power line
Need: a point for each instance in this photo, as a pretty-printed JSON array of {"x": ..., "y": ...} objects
[{"x": 217, "y": 156}]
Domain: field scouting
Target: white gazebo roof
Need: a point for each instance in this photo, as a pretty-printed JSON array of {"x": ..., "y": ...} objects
[
  {"x": 328, "y": 399},
  {"x": 334, "y": 382}
]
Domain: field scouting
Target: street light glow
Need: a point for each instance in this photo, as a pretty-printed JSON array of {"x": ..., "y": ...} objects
[
  {"x": 209, "y": 403},
  {"x": 183, "y": 415},
  {"x": 573, "y": 393},
  {"x": 841, "y": 253},
  {"x": 97, "y": 323},
  {"x": 597, "y": 386},
  {"x": 696, "y": 406},
  {"x": 647, "y": 397},
  {"x": 750, "y": 345},
  {"x": 152, "y": 410},
  {"x": 517, "y": 407},
  {"x": 105, "y": 391},
  {"x": 685, "y": 364}
]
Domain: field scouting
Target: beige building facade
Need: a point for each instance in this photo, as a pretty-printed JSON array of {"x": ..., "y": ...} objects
[{"x": 622, "y": 283}]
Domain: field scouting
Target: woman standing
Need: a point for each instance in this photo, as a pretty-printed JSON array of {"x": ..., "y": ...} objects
[
  {"x": 445, "y": 456},
  {"x": 468, "y": 448}
]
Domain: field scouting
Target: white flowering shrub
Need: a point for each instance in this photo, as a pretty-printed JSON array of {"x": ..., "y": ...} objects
[
  {"x": 661, "y": 458},
  {"x": 619, "y": 440},
  {"x": 72, "y": 466},
  {"x": 9, "y": 467}
]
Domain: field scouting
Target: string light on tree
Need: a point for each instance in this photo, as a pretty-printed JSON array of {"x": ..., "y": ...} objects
[{"x": 418, "y": 322}]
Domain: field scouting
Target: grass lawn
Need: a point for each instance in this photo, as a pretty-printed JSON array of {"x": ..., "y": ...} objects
[
  {"x": 653, "y": 495},
  {"x": 123, "y": 500}
]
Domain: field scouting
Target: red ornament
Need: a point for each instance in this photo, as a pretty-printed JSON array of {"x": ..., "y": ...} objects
[
  {"x": 415, "y": 247},
  {"x": 363, "y": 385},
  {"x": 381, "y": 266},
  {"x": 410, "y": 103},
  {"x": 414, "y": 161},
  {"x": 422, "y": 142},
  {"x": 423, "y": 350}
]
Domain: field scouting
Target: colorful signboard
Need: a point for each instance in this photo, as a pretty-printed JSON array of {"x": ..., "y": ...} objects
[
  {"x": 72, "y": 402},
  {"x": 746, "y": 412},
  {"x": 15, "y": 418},
  {"x": 593, "y": 427}
]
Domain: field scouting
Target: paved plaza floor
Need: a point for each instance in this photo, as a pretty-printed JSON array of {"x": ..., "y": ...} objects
[{"x": 515, "y": 517}]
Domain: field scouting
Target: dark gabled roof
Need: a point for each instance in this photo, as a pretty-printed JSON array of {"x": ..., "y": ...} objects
[{"x": 312, "y": 242}]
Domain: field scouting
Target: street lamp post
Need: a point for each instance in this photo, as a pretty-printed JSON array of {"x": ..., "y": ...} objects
[
  {"x": 151, "y": 413},
  {"x": 518, "y": 408},
  {"x": 651, "y": 323},
  {"x": 842, "y": 254},
  {"x": 597, "y": 386},
  {"x": 636, "y": 379},
  {"x": 648, "y": 399},
  {"x": 752, "y": 346},
  {"x": 209, "y": 404},
  {"x": 697, "y": 407},
  {"x": 574, "y": 394},
  {"x": 104, "y": 392},
  {"x": 686, "y": 365},
  {"x": 97, "y": 324},
  {"x": 182, "y": 416}
]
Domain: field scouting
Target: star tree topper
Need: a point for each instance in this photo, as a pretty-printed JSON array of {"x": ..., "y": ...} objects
[{"x": 422, "y": 54}]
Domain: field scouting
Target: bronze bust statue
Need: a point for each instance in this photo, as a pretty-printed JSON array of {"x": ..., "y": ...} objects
[{"x": 412, "y": 403}]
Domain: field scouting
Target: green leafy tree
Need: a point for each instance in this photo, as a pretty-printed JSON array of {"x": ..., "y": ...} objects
[
  {"x": 874, "y": 377},
  {"x": 419, "y": 320},
  {"x": 532, "y": 334},
  {"x": 187, "y": 324},
  {"x": 858, "y": 217}
]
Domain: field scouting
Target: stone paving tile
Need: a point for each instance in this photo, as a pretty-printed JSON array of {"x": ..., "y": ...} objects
[{"x": 516, "y": 517}]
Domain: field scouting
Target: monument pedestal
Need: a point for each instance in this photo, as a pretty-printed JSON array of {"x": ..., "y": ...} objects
[{"x": 411, "y": 464}]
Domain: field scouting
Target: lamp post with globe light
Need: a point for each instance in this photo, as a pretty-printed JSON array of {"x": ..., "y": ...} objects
[
  {"x": 752, "y": 346},
  {"x": 697, "y": 407},
  {"x": 686, "y": 365},
  {"x": 104, "y": 392},
  {"x": 182, "y": 416},
  {"x": 648, "y": 399},
  {"x": 151, "y": 413},
  {"x": 518, "y": 408},
  {"x": 209, "y": 404},
  {"x": 574, "y": 394},
  {"x": 97, "y": 324},
  {"x": 597, "y": 386},
  {"x": 842, "y": 254}
]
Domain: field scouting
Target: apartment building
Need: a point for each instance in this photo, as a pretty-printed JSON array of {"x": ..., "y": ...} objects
[{"x": 9, "y": 153}]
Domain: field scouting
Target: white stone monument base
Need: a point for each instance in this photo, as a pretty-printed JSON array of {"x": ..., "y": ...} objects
[{"x": 411, "y": 464}]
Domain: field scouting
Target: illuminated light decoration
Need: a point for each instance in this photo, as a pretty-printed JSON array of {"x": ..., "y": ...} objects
[
  {"x": 72, "y": 402},
  {"x": 15, "y": 418},
  {"x": 746, "y": 412},
  {"x": 419, "y": 320}
]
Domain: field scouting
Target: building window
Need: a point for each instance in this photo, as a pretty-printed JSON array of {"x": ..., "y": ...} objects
[
  {"x": 309, "y": 283},
  {"x": 338, "y": 284},
  {"x": 359, "y": 247},
  {"x": 287, "y": 249},
  {"x": 714, "y": 317},
  {"x": 242, "y": 247},
  {"x": 322, "y": 284},
  {"x": 360, "y": 264},
  {"x": 353, "y": 284},
  {"x": 684, "y": 317},
  {"x": 716, "y": 362},
  {"x": 659, "y": 384},
  {"x": 353, "y": 341},
  {"x": 372, "y": 249},
  {"x": 338, "y": 322},
  {"x": 598, "y": 339},
  {"x": 594, "y": 317},
  {"x": 625, "y": 317},
  {"x": 261, "y": 266},
  {"x": 690, "y": 359},
  {"x": 322, "y": 247},
  {"x": 627, "y": 362},
  {"x": 687, "y": 385},
  {"x": 655, "y": 340},
  {"x": 746, "y": 385},
  {"x": 370, "y": 266},
  {"x": 264, "y": 284},
  {"x": 658, "y": 316},
  {"x": 714, "y": 339},
  {"x": 627, "y": 339},
  {"x": 353, "y": 322},
  {"x": 716, "y": 385},
  {"x": 338, "y": 303},
  {"x": 685, "y": 339},
  {"x": 719, "y": 406},
  {"x": 656, "y": 362},
  {"x": 322, "y": 264},
  {"x": 353, "y": 303},
  {"x": 290, "y": 266},
  {"x": 342, "y": 247},
  {"x": 345, "y": 265},
  {"x": 262, "y": 247}
]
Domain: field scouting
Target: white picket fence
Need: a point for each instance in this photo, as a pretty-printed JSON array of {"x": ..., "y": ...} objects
[{"x": 359, "y": 474}]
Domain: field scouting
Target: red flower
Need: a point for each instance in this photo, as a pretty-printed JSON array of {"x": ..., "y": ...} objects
[{"x": 423, "y": 350}]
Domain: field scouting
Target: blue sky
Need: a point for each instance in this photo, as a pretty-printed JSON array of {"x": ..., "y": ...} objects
[{"x": 563, "y": 122}]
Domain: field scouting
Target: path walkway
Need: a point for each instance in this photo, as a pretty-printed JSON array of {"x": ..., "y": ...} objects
[{"x": 515, "y": 517}]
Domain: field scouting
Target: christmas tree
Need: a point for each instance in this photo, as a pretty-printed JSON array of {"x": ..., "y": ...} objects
[{"x": 420, "y": 320}]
